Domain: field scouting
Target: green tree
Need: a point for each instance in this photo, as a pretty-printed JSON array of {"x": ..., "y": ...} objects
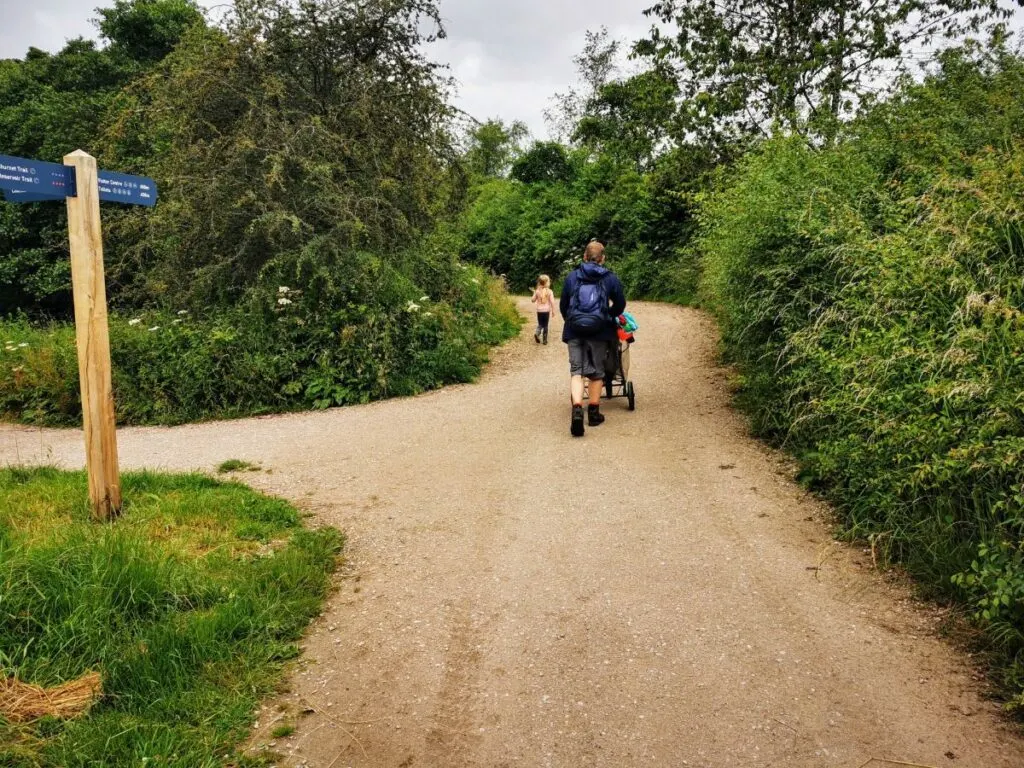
[
  {"x": 744, "y": 64},
  {"x": 545, "y": 161},
  {"x": 52, "y": 104},
  {"x": 146, "y": 31},
  {"x": 493, "y": 146},
  {"x": 290, "y": 126},
  {"x": 631, "y": 119},
  {"x": 595, "y": 67}
]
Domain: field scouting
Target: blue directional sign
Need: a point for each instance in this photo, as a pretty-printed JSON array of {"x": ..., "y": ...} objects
[
  {"x": 43, "y": 181},
  {"x": 122, "y": 188},
  {"x": 29, "y": 181}
]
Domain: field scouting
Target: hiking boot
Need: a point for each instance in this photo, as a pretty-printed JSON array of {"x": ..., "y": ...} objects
[
  {"x": 594, "y": 416},
  {"x": 536, "y": 337},
  {"x": 576, "y": 428},
  {"x": 545, "y": 337}
]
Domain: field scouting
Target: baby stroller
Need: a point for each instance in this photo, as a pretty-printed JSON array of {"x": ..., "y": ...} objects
[
  {"x": 616, "y": 381},
  {"x": 616, "y": 367}
]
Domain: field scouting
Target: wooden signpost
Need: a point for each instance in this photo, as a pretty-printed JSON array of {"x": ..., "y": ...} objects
[{"x": 84, "y": 186}]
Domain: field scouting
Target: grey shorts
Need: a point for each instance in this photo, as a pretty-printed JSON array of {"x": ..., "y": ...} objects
[{"x": 587, "y": 357}]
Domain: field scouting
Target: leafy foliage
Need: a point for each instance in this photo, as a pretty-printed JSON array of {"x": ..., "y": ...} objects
[
  {"x": 493, "y": 146},
  {"x": 145, "y": 31},
  {"x": 286, "y": 129},
  {"x": 338, "y": 328},
  {"x": 870, "y": 295},
  {"x": 630, "y": 120},
  {"x": 539, "y": 221},
  {"x": 743, "y": 64},
  {"x": 289, "y": 156}
]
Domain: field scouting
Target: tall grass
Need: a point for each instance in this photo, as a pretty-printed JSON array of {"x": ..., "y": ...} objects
[{"x": 189, "y": 605}]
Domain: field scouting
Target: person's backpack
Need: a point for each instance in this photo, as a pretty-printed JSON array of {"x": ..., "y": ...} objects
[{"x": 588, "y": 307}]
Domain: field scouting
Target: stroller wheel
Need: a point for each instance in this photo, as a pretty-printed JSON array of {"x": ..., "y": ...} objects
[{"x": 631, "y": 395}]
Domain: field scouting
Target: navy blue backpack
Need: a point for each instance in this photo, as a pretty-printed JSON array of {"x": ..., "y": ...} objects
[{"x": 588, "y": 307}]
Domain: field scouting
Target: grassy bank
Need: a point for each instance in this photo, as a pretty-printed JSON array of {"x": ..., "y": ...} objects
[{"x": 188, "y": 606}]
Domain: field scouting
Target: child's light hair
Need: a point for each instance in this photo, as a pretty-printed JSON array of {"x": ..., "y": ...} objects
[{"x": 544, "y": 280}]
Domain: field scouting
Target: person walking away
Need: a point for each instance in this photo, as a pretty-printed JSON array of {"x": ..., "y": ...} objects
[
  {"x": 544, "y": 298},
  {"x": 592, "y": 298}
]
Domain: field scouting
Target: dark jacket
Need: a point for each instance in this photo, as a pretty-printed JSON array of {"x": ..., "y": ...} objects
[{"x": 612, "y": 287}]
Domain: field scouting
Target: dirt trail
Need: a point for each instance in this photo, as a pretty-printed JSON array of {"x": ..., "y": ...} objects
[{"x": 505, "y": 606}]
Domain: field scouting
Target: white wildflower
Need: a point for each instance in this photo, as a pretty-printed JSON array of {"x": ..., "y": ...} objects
[
  {"x": 428, "y": 314},
  {"x": 475, "y": 281},
  {"x": 424, "y": 298},
  {"x": 18, "y": 369},
  {"x": 284, "y": 302},
  {"x": 412, "y": 306},
  {"x": 175, "y": 322},
  {"x": 134, "y": 321},
  {"x": 154, "y": 328},
  {"x": 182, "y": 312},
  {"x": 283, "y": 289},
  {"x": 23, "y": 345},
  {"x": 977, "y": 301}
]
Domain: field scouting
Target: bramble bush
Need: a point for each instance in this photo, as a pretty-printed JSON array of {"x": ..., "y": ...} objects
[{"x": 871, "y": 297}]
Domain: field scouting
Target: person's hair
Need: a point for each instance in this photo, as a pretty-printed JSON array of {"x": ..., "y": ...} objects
[
  {"x": 594, "y": 252},
  {"x": 544, "y": 281}
]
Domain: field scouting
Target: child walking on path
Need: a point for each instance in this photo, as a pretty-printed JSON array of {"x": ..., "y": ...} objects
[{"x": 544, "y": 298}]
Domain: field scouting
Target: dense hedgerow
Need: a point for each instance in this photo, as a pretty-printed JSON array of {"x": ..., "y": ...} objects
[
  {"x": 188, "y": 606},
  {"x": 871, "y": 295},
  {"x": 324, "y": 329}
]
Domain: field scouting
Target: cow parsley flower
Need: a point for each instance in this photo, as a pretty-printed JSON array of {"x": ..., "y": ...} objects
[
  {"x": 134, "y": 321},
  {"x": 284, "y": 302}
]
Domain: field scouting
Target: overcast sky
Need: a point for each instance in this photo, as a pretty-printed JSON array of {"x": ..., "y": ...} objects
[{"x": 508, "y": 57}]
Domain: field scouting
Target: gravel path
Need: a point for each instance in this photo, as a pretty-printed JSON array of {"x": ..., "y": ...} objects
[{"x": 658, "y": 593}]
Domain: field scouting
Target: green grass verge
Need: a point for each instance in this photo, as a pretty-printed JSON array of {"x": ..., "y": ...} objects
[{"x": 189, "y": 605}]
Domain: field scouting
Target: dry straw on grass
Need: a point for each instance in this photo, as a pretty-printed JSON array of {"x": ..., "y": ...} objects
[{"x": 20, "y": 702}]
